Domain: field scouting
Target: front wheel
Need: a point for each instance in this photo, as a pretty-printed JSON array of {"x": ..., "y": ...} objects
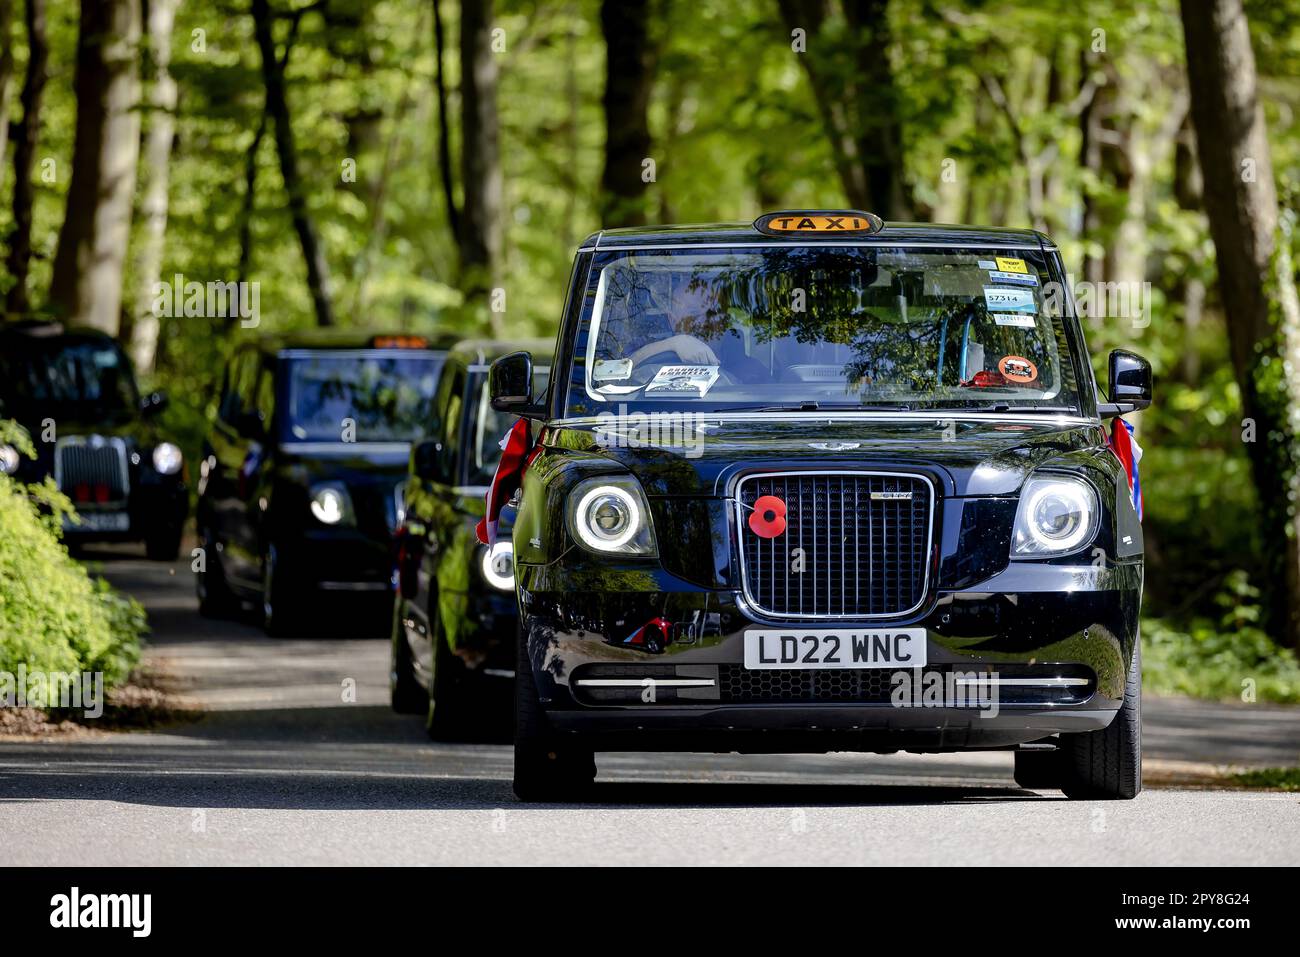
[
  {"x": 448, "y": 698},
  {"x": 216, "y": 600},
  {"x": 284, "y": 611},
  {"x": 545, "y": 769},
  {"x": 163, "y": 544},
  {"x": 1107, "y": 764},
  {"x": 404, "y": 692}
]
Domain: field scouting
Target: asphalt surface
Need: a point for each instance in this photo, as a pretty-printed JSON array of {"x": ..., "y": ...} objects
[{"x": 299, "y": 760}]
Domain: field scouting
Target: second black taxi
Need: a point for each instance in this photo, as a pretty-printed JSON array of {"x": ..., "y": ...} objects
[{"x": 454, "y": 618}]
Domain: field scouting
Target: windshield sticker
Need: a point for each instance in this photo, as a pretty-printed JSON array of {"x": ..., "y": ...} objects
[
  {"x": 987, "y": 264},
  {"x": 607, "y": 369},
  {"x": 1019, "y": 320},
  {"x": 1021, "y": 279},
  {"x": 684, "y": 381},
  {"x": 1017, "y": 369},
  {"x": 1000, "y": 299},
  {"x": 1011, "y": 265}
]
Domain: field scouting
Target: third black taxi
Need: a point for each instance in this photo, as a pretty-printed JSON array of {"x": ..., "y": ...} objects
[
  {"x": 300, "y": 487},
  {"x": 822, "y": 483}
]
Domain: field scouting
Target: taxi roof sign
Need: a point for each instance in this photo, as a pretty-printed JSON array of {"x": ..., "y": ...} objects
[
  {"x": 399, "y": 342},
  {"x": 818, "y": 222}
]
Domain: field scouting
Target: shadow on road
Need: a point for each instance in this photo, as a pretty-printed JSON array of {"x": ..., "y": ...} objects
[{"x": 318, "y": 789}]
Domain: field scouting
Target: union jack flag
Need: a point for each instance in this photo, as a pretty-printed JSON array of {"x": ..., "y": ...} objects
[{"x": 1129, "y": 454}]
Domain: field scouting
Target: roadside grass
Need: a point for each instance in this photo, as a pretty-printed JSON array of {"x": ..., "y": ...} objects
[{"x": 1272, "y": 779}]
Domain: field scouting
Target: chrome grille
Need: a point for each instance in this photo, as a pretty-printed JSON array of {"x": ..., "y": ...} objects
[
  {"x": 91, "y": 470},
  {"x": 862, "y": 556}
]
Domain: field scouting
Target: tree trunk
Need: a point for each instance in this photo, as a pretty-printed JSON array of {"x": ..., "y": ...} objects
[
  {"x": 853, "y": 85},
  {"x": 157, "y": 159},
  {"x": 629, "y": 76},
  {"x": 1256, "y": 281},
  {"x": 26, "y": 135},
  {"x": 6, "y": 75},
  {"x": 277, "y": 107},
  {"x": 445, "y": 173},
  {"x": 482, "y": 233},
  {"x": 1090, "y": 153},
  {"x": 88, "y": 267}
]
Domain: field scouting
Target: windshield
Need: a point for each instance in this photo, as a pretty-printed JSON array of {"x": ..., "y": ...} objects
[
  {"x": 487, "y": 427},
  {"x": 839, "y": 326},
  {"x": 75, "y": 378},
  {"x": 387, "y": 396}
]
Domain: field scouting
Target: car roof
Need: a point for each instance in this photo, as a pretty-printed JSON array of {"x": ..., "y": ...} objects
[
  {"x": 891, "y": 233},
  {"x": 39, "y": 330},
  {"x": 482, "y": 351},
  {"x": 328, "y": 339}
]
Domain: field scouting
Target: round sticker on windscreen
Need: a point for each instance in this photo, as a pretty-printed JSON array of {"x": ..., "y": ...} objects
[{"x": 1017, "y": 369}]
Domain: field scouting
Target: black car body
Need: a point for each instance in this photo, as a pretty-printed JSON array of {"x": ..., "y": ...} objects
[
  {"x": 455, "y": 618},
  {"x": 300, "y": 487},
  {"x": 75, "y": 393},
  {"x": 887, "y": 473}
]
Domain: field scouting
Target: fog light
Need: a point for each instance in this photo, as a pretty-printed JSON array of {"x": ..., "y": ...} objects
[{"x": 498, "y": 566}]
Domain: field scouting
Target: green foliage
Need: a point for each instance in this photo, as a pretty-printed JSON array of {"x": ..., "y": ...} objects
[
  {"x": 53, "y": 615},
  {"x": 1211, "y": 657}
]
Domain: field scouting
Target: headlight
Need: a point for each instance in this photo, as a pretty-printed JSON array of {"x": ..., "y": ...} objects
[
  {"x": 166, "y": 458},
  {"x": 1057, "y": 515},
  {"x": 331, "y": 504},
  {"x": 611, "y": 516},
  {"x": 498, "y": 565},
  {"x": 8, "y": 460}
]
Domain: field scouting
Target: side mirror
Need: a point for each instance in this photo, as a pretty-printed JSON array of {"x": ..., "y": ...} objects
[
  {"x": 425, "y": 456},
  {"x": 251, "y": 426},
  {"x": 510, "y": 385},
  {"x": 1130, "y": 384},
  {"x": 153, "y": 403}
]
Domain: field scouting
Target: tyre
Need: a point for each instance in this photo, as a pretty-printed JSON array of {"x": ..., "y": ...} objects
[
  {"x": 445, "y": 718},
  {"x": 545, "y": 769},
  {"x": 1107, "y": 764},
  {"x": 215, "y": 597},
  {"x": 404, "y": 692},
  {"x": 1038, "y": 770},
  {"x": 163, "y": 544},
  {"x": 284, "y": 610}
]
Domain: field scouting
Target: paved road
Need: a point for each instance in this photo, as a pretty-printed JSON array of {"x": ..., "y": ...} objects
[{"x": 283, "y": 770}]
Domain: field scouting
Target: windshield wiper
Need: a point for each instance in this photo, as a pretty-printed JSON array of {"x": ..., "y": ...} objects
[
  {"x": 811, "y": 406},
  {"x": 1008, "y": 407}
]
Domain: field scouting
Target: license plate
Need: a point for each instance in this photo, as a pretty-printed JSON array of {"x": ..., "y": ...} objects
[
  {"x": 835, "y": 648},
  {"x": 100, "y": 522}
]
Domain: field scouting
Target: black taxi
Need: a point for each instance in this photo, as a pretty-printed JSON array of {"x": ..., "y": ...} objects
[
  {"x": 303, "y": 469},
  {"x": 101, "y": 440},
  {"x": 454, "y": 617},
  {"x": 822, "y": 483}
]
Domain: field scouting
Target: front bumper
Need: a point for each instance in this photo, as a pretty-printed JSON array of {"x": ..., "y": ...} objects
[
  {"x": 152, "y": 508},
  {"x": 335, "y": 560},
  {"x": 1029, "y": 620},
  {"x": 481, "y": 628}
]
